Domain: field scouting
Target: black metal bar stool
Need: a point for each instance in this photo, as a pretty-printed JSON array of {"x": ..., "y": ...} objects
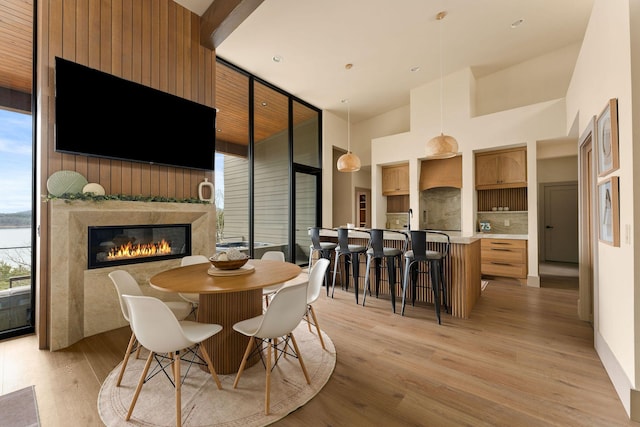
[
  {"x": 324, "y": 249},
  {"x": 435, "y": 263},
  {"x": 377, "y": 252},
  {"x": 351, "y": 255}
]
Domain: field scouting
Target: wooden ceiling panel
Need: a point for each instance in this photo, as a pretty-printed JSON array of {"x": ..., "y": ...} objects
[
  {"x": 270, "y": 107},
  {"x": 16, "y": 45}
]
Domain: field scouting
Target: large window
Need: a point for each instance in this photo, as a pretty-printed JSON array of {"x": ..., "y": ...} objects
[
  {"x": 16, "y": 171},
  {"x": 262, "y": 135}
]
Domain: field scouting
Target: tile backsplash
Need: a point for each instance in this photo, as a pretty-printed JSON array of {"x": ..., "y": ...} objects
[
  {"x": 505, "y": 222},
  {"x": 397, "y": 221},
  {"x": 440, "y": 208}
]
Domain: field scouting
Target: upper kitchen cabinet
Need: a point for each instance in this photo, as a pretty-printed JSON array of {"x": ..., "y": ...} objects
[
  {"x": 441, "y": 173},
  {"x": 395, "y": 180},
  {"x": 501, "y": 169}
]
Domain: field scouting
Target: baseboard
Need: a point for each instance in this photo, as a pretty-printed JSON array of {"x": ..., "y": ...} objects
[
  {"x": 533, "y": 281},
  {"x": 619, "y": 379}
]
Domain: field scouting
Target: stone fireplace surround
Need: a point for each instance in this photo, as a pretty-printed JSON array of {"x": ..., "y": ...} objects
[{"x": 84, "y": 302}]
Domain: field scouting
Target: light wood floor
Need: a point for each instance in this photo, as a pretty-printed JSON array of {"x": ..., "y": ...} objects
[{"x": 522, "y": 359}]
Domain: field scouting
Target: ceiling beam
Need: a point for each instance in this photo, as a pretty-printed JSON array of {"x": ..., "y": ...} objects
[{"x": 221, "y": 18}]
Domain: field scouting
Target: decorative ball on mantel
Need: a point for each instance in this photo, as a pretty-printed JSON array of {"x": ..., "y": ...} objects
[{"x": 94, "y": 188}]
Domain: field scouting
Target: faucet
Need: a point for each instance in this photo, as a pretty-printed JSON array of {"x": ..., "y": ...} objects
[{"x": 409, "y": 216}]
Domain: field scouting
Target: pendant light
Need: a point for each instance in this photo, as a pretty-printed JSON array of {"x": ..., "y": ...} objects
[
  {"x": 442, "y": 146},
  {"x": 348, "y": 162}
]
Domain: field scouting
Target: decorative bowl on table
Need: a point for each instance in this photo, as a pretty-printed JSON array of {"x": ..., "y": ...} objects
[{"x": 230, "y": 260}]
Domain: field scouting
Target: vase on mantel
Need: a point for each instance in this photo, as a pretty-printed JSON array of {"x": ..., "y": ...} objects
[{"x": 203, "y": 187}]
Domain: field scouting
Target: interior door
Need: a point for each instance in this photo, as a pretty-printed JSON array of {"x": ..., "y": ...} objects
[
  {"x": 561, "y": 222},
  {"x": 587, "y": 308}
]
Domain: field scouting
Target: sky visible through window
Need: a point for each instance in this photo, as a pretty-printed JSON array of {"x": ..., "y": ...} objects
[{"x": 15, "y": 162}]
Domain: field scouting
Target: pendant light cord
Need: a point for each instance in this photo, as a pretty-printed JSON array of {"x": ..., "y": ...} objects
[
  {"x": 441, "y": 17},
  {"x": 348, "y": 127}
]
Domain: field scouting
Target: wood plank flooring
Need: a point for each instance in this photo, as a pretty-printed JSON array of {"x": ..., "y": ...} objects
[{"x": 522, "y": 359}]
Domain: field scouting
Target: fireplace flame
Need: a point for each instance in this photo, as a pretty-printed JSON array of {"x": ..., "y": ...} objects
[{"x": 130, "y": 250}]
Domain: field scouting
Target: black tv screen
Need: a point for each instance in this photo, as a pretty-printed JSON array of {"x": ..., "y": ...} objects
[{"x": 98, "y": 114}]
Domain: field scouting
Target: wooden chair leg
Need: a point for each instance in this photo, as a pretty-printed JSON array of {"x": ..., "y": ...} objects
[
  {"x": 212, "y": 370},
  {"x": 139, "y": 387},
  {"x": 295, "y": 347},
  {"x": 306, "y": 316},
  {"x": 315, "y": 322},
  {"x": 132, "y": 340},
  {"x": 178, "y": 386},
  {"x": 244, "y": 361},
  {"x": 268, "y": 380}
]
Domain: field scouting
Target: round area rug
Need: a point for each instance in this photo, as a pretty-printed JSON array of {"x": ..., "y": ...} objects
[{"x": 204, "y": 405}]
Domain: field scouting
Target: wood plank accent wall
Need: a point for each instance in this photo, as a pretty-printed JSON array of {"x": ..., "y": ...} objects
[{"x": 152, "y": 42}]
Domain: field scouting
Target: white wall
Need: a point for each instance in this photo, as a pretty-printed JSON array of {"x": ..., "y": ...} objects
[
  {"x": 521, "y": 126},
  {"x": 603, "y": 71},
  {"x": 558, "y": 169},
  {"x": 536, "y": 80}
]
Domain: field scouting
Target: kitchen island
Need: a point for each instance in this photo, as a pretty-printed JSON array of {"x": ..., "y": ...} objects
[{"x": 461, "y": 269}]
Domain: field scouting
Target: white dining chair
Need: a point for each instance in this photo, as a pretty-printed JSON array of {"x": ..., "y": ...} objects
[
  {"x": 158, "y": 330},
  {"x": 192, "y": 298},
  {"x": 126, "y": 284},
  {"x": 283, "y": 314},
  {"x": 269, "y": 291},
  {"x": 316, "y": 279}
]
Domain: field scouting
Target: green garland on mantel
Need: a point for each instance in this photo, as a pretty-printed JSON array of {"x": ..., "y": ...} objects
[{"x": 92, "y": 197}]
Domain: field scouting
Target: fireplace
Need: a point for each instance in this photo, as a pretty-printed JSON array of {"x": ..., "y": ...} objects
[{"x": 110, "y": 246}]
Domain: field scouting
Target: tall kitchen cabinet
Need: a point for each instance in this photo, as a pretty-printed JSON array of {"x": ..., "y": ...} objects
[{"x": 501, "y": 184}]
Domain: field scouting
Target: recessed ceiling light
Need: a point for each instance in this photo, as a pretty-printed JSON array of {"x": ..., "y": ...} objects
[
  {"x": 415, "y": 69},
  {"x": 277, "y": 58},
  {"x": 517, "y": 23},
  {"x": 264, "y": 103}
]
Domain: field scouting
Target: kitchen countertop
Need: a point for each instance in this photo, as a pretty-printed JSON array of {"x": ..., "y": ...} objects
[{"x": 501, "y": 236}]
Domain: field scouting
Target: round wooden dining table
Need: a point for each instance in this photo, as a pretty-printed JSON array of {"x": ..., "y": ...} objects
[{"x": 226, "y": 299}]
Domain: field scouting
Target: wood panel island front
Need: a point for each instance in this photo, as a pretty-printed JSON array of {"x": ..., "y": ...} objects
[{"x": 461, "y": 269}]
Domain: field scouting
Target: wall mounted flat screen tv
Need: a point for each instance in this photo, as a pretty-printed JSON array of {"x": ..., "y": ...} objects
[{"x": 101, "y": 115}]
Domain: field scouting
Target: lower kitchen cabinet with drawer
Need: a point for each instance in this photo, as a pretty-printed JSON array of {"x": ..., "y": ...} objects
[{"x": 504, "y": 258}]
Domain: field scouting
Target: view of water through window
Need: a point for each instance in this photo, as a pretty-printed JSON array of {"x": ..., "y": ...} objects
[{"x": 15, "y": 218}]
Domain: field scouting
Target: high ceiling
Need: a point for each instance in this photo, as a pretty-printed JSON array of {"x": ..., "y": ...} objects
[{"x": 384, "y": 39}]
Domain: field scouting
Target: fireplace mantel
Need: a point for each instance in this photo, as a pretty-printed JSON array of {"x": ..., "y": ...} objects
[{"x": 84, "y": 302}]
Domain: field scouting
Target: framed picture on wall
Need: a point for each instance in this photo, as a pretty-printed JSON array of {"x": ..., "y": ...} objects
[
  {"x": 609, "y": 211},
  {"x": 607, "y": 138}
]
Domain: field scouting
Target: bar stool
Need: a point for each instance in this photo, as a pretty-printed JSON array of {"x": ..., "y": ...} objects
[
  {"x": 377, "y": 252},
  {"x": 435, "y": 262},
  {"x": 324, "y": 250},
  {"x": 351, "y": 255}
]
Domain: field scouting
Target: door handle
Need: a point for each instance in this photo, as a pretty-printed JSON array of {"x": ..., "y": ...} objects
[{"x": 549, "y": 226}]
